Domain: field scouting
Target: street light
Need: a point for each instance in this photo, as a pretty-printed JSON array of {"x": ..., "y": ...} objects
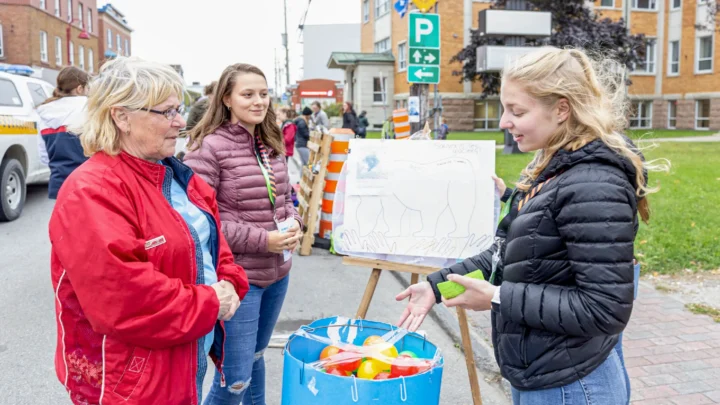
[{"x": 83, "y": 35}]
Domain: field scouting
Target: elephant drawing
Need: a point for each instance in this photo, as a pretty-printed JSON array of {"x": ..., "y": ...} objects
[{"x": 426, "y": 192}]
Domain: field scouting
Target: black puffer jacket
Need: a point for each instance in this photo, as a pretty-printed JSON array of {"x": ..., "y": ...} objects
[{"x": 566, "y": 272}]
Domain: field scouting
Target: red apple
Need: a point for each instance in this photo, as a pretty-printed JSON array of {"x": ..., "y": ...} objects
[{"x": 382, "y": 376}]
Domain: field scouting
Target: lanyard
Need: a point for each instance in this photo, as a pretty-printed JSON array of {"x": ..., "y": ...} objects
[{"x": 267, "y": 181}]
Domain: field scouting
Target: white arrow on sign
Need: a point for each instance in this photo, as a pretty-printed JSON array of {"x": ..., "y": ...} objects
[
  {"x": 429, "y": 58},
  {"x": 420, "y": 74},
  {"x": 417, "y": 56}
]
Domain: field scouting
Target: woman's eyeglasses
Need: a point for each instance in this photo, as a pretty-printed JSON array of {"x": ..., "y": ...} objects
[{"x": 170, "y": 113}]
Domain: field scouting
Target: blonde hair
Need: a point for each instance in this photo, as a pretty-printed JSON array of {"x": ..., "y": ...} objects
[
  {"x": 595, "y": 92},
  {"x": 128, "y": 82}
]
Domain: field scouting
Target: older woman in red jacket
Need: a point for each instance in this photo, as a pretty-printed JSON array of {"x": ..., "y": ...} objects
[
  {"x": 238, "y": 149},
  {"x": 143, "y": 276}
]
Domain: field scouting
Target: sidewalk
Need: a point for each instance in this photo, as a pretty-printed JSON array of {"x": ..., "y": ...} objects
[{"x": 672, "y": 355}]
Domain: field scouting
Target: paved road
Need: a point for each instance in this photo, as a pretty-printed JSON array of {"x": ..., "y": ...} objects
[{"x": 320, "y": 287}]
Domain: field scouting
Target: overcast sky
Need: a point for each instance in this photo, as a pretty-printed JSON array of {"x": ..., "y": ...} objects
[{"x": 207, "y": 35}]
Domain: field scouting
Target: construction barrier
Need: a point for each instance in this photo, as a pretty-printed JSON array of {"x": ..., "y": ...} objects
[
  {"x": 402, "y": 123},
  {"x": 338, "y": 156}
]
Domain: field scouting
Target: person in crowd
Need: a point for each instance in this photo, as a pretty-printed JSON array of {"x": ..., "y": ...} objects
[
  {"x": 64, "y": 112},
  {"x": 350, "y": 119},
  {"x": 302, "y": 136},
  {"x": 289, "y": 129},
  {"x": 239, "y": 150},
  {"x": 443, "y": 131},
  {"x": 318, "y": 117},
  {"x": 363, "y": 124},
  {"x": 198, "y": 109},
  {"x": 560, "y": 274},
  {"x": 142, "y": 274}
]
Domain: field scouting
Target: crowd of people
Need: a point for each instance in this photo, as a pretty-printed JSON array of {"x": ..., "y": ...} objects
[{"x": 159, "y": 264}]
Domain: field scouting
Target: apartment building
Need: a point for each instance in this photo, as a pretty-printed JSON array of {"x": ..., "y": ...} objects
[
  {"x": 48, "y": 35},
  {"x": 675, "y": 87},
  {"x": 115, "y": 33}
]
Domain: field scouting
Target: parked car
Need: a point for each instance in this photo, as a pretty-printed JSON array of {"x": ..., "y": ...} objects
[{"x": 19, "y": 159}]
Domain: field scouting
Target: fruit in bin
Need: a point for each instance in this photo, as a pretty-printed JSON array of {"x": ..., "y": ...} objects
[
  {"x": 381, "y": 351},
  {"x": 329, "y": 351},
  {"x": 369, "y": 369},
  {"x": 407, "y": 366},
  {"x": 383, "y": 375},
  {"x": 407, "y": 353},
  {"x": 336, "y": 372},
  {"x": 345, "y": 362},
  {"x": 371, "y": 340},
  {"x": 451, "y": 289}
]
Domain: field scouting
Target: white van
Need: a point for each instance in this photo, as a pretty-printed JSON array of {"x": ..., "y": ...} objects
[{"x": 19, "y": 160}]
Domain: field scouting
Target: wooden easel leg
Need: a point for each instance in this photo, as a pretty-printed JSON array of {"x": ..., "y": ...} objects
[
  {"x": 469, "y": 357},
  {"x": 414, "y": 278},
  {"x": 367, "y": 296}
]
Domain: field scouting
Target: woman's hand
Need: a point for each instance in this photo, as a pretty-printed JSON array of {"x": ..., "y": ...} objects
[
  {"x": 478, "y": 294},
  {"x": 499, "y": 184},
  {"x": 422, "y": 299},
  {"x": 297, "y": 231},
  {"x": 229, "y": 300},
  {"x": 277, "y": 242}
]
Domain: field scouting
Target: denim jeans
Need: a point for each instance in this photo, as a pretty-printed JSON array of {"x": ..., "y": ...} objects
[
  {"x": 604, "y": 386},
  {"x": 248, "y": 333}
]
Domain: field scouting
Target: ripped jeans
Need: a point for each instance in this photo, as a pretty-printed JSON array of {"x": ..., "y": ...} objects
[{"x": 248, "y": 334}]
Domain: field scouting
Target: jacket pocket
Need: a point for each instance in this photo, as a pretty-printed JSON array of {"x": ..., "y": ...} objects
[
  {"x": 523, "y": 345},
  {"x": 136, "y": 366}
]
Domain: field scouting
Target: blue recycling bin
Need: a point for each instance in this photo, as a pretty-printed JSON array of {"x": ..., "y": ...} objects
[{"x": 303, "y": 384}]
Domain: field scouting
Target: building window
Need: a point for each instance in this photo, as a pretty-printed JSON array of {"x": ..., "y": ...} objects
[
  {"x": 382, "y": 7},
  {"x": 58, "y": 51},
  {"x": 607, "y": 3},
  {"x": 676, "y": 4},
  {"x": 382, "y": 46},
  {"x": 648, "y": 65},
  {"x": 57, "y": 8},
  {"x": 645, "y": 4},
  {"x": 43, "y": 4},
  {"x": 674, "y": 55},
  {"x": 672, "y": 114},
  {"x": 378, "y": 90},
  {"x": 402, "y": 56},
  {"x": 366, "y": 10},
  {"x": 2, "y": 47},
  {"x": 705, "y": 54},
  {"x": 80, "y": 14},
  {"x": 70, "y": 15},
  {"x": 127, "y": 47},
  {"x": 91, "y": 60},
  {"x": 702, "y": 114},
  {"x": 89, "y": 21},
  {"x": 72, "y": 54},
  {"x": 641, "y": 114},
  {"x": 487, "y": 115},
  {"x": 118, "y": 43},
  {"x": 109, "y": 39},
  {"x": 43, "y": 46},
  {"x": 81, "y": 57}
]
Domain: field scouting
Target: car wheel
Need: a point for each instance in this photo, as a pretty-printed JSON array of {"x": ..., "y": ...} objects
[{"x": 12, "y": 190}]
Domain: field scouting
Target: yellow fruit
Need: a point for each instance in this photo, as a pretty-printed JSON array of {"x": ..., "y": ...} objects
[
  {"x": 369, "y": 369},
  {"x": 374, "y": 339},
  {"x": 384, "y": 353}
]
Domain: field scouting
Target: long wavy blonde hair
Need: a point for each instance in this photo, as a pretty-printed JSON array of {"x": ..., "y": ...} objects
[{"x": 595, "y": 91}]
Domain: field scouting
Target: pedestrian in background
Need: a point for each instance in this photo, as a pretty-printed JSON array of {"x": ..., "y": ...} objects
[
  {"x": 443, "y": 131},
  {"x": 303, "y": 135},
  {"x": 561, "y": 282},
  {"x": 289, "y": 129},
  {"x": 350, "y": 119},
  {"x": 198, "y": 109},
  {"x": 363, "y": 124},
  {"x": 318, "y": 117},
  {"x": 238, "y": 149},
  {"x": 64, "y": 112},
  {"x": 143, "y": 278}
]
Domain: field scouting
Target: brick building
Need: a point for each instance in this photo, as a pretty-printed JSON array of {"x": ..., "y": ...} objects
[
  {"x": 114, "y": 32},
  {"x": 676, "y": 87},
  {"x": 35, "y": 33}
]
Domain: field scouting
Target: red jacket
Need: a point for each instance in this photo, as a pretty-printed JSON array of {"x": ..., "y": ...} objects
[
  {"x": 289, "y": 129},
  {"x": 129, "y": 309}
]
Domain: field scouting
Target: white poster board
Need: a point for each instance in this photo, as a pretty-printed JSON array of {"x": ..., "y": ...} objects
[{"x": 419, "y": 198}]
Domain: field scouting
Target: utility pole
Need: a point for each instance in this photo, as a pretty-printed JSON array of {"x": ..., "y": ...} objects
[{"x": 285, "y": 44}]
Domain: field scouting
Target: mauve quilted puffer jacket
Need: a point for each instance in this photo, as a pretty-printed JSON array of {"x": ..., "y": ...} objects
[{"x": 226, "y": 160}]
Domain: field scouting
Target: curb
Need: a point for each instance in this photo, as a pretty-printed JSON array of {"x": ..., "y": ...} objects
[{"x": 482, "y": 349}]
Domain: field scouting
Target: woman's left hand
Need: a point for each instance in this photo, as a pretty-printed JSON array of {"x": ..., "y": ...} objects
[
  {"x": 477, "y": 296},
  {"x": 297, "y": 230}
]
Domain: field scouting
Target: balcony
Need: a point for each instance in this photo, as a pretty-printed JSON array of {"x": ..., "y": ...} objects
[
  {"x": 493, "y": 58},
  {"x": 529, "y": 24}
]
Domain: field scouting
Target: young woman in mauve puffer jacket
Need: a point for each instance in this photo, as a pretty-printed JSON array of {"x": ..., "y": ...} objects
[
  {"x": 239, "y": 150},
  {"x": 560, "y": 273}
]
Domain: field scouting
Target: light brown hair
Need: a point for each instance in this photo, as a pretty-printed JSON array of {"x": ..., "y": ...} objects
[{"x": 69, "y": 79}]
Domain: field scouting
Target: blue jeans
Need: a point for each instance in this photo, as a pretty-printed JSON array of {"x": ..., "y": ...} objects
[
  {"x": 604, "y": 386},
  {"x": 248, "y": 333}
]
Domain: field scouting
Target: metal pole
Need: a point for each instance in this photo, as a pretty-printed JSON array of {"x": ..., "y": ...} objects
[
  {"x": 287, "y": 52},
  {"x": 436, "y": 104}
]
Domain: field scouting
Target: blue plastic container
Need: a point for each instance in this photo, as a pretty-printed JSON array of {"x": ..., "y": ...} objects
[{"x": 302, "y": 384}]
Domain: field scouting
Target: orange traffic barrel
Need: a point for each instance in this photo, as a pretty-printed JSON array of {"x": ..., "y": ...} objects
[
  {"x": 325, "y": 225},
  {"x": 402, "y": 123},
  {"x": 338, "y": 155}
]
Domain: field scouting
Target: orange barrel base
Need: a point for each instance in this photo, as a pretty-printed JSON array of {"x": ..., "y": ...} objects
[{"x": 325, "y": 225}]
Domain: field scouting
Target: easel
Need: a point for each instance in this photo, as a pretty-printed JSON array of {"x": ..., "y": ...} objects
[
  {"x": 378, "y": 266},
  {"x": 311, "y": 187}
]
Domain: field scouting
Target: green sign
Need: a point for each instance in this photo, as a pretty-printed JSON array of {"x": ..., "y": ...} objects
[
  {"x": 424, "y": 48},
  {"x": 424, "y": 56},
  {"x": 423, "y": 74}
]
